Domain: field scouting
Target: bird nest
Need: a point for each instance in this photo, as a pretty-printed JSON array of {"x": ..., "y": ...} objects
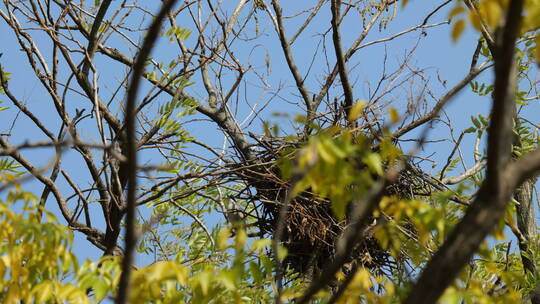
[{"x": 311, "y": 228}]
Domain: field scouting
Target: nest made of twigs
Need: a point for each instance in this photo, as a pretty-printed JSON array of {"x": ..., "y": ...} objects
[{"x": 311, "y": 229}]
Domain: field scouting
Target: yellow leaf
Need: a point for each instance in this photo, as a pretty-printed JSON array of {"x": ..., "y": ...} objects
[
  {"x": 43, "y": 292},
  {"x": 68, "y": 292},
  {"x": 165, "y": 270},
  {"x": 498, "y": 234},
  {"x": 204, "y": 279},
  {"x": 338, "y": 207},
  {"x": 260, "y": 244},
  {"x": 475, "y": 21},
  {"x": 222, "y": 239},
  {"x": 509, "y": 218},
  {"x": 2, "y": 269},
  {"x": 458, "y": 29},
  {"x": 394, "y": 115},
  {"x": 390, "y": 288},
  {"x": 456, "y": 11},
  {"x": 325, "y": 153},
  {"x": 154, "y": 289},
  {"x": 13, "y": 295},
  {"x": 374, "y": 162},
  {"x": 307, "y": 156},
  {"x": 356, "y": 110},
  {"x": 490, "y": 11},
  {"x": 240, "y": 240},
  {"x": 281, "y": 253},
  {"x": 228, "y": 279},
  {"x": 538, "y": 50},
  {"x": 362, "y": 278}
]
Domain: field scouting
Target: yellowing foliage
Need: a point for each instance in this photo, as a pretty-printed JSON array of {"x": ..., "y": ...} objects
[
  {"x": 34, "y": 257},
  {"x": 458, "y": 29},
  {"x": 356, "y": 110},
  {"x": 488, "y": 15}
]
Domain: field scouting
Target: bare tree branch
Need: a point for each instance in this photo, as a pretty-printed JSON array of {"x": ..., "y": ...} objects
[
  {"x": 440, "y": 103},
  {"x": 286, "y": 47},
  {"x": 342, "y": 68}
]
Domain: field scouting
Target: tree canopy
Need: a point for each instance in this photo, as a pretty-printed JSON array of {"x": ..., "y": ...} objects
[{"x": 269, "y": 151}]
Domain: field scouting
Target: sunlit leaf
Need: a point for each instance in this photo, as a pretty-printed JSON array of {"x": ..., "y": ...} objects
[
  {"x": 458, "y": 29},
  {"x": 374, "y": 162},
  {"x": 282, "y": 253},
  {"x": 356, "y": 110},
  {"x": 537, "y": 48},
  {"x": 491, "y": 12},
  {"x": 43, "y": 292},
  {"x": 456, "y": 11},
  {"x": 394, "y": 115}
]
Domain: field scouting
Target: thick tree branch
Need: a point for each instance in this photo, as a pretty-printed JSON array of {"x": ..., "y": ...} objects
[
  {"x": 23, "y": 108},
  {"x": 525, "y": 168},
  {"x": 490, "y": 205}
]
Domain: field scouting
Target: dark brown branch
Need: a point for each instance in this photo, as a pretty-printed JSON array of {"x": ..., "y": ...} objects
[
  {"x": 138, "y": 69},
  {"x": 332, "y": 76},
  {"x": 81, "y": 197},
  {"x": 307, "y": 21},
  {"x": 93, "y": 38},
  {"x": 435, "y": 11},
  {"x": 490, "y": 205},
  {"x": 342, "y": 68},
  {"x": 526, "y": 167},
  {"x": 527, "y": 229}
]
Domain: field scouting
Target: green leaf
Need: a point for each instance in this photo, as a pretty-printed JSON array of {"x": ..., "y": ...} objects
[
  {"x": 281, "y": 253},
  {"x": 470, "y": 130},
  {"x": 256, "y": 272},
  {"x": 260, "y": 244},
  {"x": 101, "y": 288},
  {"x": 483, "y": 120},
  {"x": 228, "y": 279},
  {"x": 476, "y": 122},
  {"x": 374, "y": 162},
  {"x": 339, "y": 207}
]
